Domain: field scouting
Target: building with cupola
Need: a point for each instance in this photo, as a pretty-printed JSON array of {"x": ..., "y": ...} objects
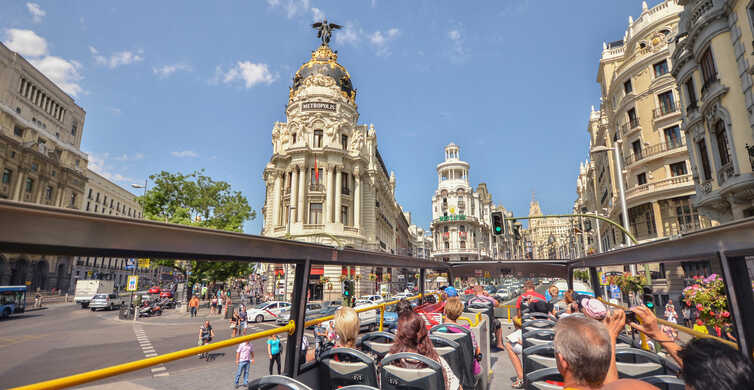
[
  {"x": 461, "y": 215},
  {"x": 327, "y": 183}
]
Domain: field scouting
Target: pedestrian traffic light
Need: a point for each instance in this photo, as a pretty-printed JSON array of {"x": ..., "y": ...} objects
[
  {"x": 498, "y": 223},
  {"x": 648, "y": 298}
]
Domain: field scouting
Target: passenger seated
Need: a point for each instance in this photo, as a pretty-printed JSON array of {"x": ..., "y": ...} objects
[
  {"x": 514, "y": 347},
  {"x": 412, "y": 336},
  {"x": 583, "y": 352},
  {"x": 495, "y": 323},
  {"x": 347, "y": 326},
  {"x": 705, "y": 363},
  {"x": 453, "y": 309},
  {"x": 568, "y": 305}
]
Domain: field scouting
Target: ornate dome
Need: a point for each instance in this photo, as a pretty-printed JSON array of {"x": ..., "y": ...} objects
[{"x": 324, "y": 62}]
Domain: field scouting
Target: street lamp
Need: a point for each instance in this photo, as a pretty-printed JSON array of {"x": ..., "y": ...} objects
[
  {"x": 144, "y": 186},
  {"x": 621, "y": 191}
]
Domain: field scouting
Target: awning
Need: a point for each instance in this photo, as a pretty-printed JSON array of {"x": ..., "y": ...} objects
[{"x": 317, "y": 270}]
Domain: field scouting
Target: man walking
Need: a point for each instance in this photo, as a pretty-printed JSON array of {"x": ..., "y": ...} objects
[
  {"x": 244, "y": 360},
  {"x": 194, "y": 305}
]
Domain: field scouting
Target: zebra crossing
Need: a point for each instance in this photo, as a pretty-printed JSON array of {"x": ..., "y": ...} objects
[{"x": 149, "y": 351}]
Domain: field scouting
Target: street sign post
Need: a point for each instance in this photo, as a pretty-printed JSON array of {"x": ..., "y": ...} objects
[{"x": 133, "y": 283}]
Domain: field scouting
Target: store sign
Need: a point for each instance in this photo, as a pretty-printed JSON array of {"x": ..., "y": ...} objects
[
  {"x": 459, "y": 217},
  {"x": 143, "y": 263},
  {"x": 318, "y": 106}
]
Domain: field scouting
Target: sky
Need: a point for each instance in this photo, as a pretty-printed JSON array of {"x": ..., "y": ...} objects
[{"x": 187, "y": 85}]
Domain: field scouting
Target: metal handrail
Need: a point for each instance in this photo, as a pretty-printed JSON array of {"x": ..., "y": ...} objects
[{"x": 102, "y": 373}]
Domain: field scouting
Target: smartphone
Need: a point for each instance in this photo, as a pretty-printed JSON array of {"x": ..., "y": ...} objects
[{"x": 630, "y": 317}]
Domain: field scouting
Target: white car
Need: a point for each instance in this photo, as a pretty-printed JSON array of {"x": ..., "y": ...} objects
[
  {"x": 266, "y": 311},
  {"x": 369, "y": 318},
  {"x": 402, "y": 295},
  {"x": 374, "y": 299}
]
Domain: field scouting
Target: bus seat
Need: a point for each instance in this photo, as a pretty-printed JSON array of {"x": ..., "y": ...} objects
[
  {"x": 665, "y": 382},
  {"x": 482, "y": 328},
  {"x": 528, "y": 316},
  {"x": 358, "y": 387},
  {"x": 538, "y": 380},
  {"x": 352, "y": 367},
  {"x": 537, "y": 337},
  {"x": 399, "y": 378},
  {"x": 451, "y": 352},
  {"x": 479, "y": 305},
  {"x": 537, "y": 324},
  {"x": 538, "y": 357},
  {"x": 629, "y": 341},
  {"x": 277, "y": 382},
  {"x": 378, "y": 343},
  {"x": 462, "y": 336},
  {"x": 638, "y": 363}
]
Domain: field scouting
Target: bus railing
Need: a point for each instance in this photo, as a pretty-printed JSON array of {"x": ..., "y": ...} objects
[
  {"x": 680, "y": 328},
  {"x": 102, "y": 373}
]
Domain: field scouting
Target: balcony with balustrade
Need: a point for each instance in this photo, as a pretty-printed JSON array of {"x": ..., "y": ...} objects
[
  {"x": 655, "y": 151},
  {"x": 665, "y": 111},
  {"x": 659, "y": 187},
  {"x": 629, "y": 127}
]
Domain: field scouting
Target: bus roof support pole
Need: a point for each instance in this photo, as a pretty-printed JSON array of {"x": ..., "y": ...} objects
[
  {"x": 570, "y": 277},
  {"x": 298, "y": 313},
  {"x": 595, "y": 278},
  {"x": 421, "y": 282},
  {"x": 738, "y": 291}
]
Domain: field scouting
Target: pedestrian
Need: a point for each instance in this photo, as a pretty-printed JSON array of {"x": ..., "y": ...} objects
[
  {"x": 194, "y": 305},
  {"x": 213, "y": 305},
  {"x": 206, "y": 333},
  {"x": 670, "y": 313},
  {"x": 273, "y": 351},
  {"x": 37, "y": 300},
  {"x": 243, "y": 316},
  {"x": 204, "y": 292},
  {"x": 220, "y": 304},
  {"x": 235, "y": 323},
  {"x": 686, "y": 313}
]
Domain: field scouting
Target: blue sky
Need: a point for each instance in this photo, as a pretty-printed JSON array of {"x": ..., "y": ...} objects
[{"x": 185, "y": 85}]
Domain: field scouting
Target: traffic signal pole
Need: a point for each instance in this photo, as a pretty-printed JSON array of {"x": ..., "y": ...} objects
[{"x": 595, "y": 216}]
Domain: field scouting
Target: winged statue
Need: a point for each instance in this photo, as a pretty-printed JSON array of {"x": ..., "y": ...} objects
[{"x": 324, "y": 30}]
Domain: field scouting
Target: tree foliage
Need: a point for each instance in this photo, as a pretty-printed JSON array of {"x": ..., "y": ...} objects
[{"x": 197, "y": 200}]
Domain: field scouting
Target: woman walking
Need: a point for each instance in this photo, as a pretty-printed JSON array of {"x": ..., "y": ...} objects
[{"x": 273, "y": 351}]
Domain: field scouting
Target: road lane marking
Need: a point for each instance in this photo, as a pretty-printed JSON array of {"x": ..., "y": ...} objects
[{"x": 148, "y": 349}]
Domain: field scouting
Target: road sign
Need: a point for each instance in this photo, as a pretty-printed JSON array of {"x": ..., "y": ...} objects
[
  {"x": 130, "y": 264},
  {"x": 133, "y": 283},
  {"x": 143, "y": 263},
  {"x": 614, "y": 291},
  {"x": 603, "y": 278}
]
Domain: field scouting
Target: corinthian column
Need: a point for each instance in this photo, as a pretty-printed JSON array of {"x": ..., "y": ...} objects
[
  {"x": 294, "y": 194},
  {"x": 329, "y": 194},
  {"x": 301, "y": 193},
  {"x": 356, "y": 198},
  {"x": 276, "y": 200},
  {"x": 338, "y": 195}
]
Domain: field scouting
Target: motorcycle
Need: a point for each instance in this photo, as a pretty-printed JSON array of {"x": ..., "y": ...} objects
[{"x": 150, "y": 309}]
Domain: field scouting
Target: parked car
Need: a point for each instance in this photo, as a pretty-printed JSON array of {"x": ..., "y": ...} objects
[
  {"x": 166, "y": 294},
  {"x": 154, "y": 290},
  {"x": 390, "y": 321},
  {"x": 285, "y": 314},
  {"x": 104, "y": 302},
  {"x": 374, "y": 299},
  {"x": 266, "y": 311},
  {"x": 503, "y": 294}
]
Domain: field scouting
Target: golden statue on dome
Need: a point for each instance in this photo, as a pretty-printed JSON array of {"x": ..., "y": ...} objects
[{"x": 324, "y": 30}]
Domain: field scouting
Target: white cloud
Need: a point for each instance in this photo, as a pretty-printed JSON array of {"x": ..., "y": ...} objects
[
  {"x": 167, "y": 70},
  {"x": 65, "y": 74},
  {"x": 127, "y": 157},
  {"x": 350, "y": 34},
  {"x": 458, "y": 52},
  {"x": 99, "y": 164},
  {"x": 118, "y": 58},
  {"x": 292, "y": 8},
  {"x": 247, "y": 72},
  {"x": 25, "y": 42},
  {"x": 381, "y": 40},
  {"x": 115, "y": 110},
  {"x": 317, "y": 14},
  {"x": 37, "y": 13},
  {"x": 185, "y": 153}
]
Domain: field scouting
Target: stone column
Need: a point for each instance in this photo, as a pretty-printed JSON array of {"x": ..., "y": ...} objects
[
  {"x": 294, "y": 195},
  {"x": 338, "y": 183},
  {"x": 356, "y": 198},
  {"x": 19, "y": 185},
  {"x": 329, "y": 194},
  {"x": 301, "y": 193},
  {"x": 276, "y": 198}
]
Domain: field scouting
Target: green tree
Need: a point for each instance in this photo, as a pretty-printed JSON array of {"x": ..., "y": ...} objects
[{"x": 197, "y": 200}]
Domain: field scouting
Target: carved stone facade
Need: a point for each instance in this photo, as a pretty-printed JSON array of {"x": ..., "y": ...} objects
[
  {"x": 461, "y": 221},
  {"x": 40, "y": 160},
  {"x": 640, "y": 115},
  {"x": 551, "y": 238},
  {"x": 326, "y": 181},
  {"x": 713, "y": 67}
]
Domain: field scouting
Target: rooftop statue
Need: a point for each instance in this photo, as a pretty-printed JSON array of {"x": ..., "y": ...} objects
[{"x": 324, "y": 30}]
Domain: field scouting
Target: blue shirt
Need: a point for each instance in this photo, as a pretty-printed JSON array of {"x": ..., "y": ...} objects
[{"x": 274, "y": 346}]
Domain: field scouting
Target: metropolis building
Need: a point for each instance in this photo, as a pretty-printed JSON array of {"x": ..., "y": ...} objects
[
  {"x": 326, "y": 181},
  {"x": 461, "y": 215}
]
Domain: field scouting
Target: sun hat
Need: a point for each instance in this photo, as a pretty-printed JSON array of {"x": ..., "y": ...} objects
[{"x": 594, "y": 308}]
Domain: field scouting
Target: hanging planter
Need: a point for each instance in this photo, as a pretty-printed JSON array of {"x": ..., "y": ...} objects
[
  {"x": 707, "y": 295},
  {"x": 372, "y": 277},
  {"x": 627, "y": 282},
  {"x": 387, "y": 277},
  {"x": 343, "y": 277}
]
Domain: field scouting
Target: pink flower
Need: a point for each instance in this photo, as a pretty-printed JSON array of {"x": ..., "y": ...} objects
[
  {"x": 699, "y": 307},
  {"x": 726, "y": 314}
]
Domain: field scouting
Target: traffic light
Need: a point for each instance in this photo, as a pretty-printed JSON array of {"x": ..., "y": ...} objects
[
  {"x": 517, "y": 231},
  {"x": 498, "y": 223},
  {"x": 647, "y": 298},
  {"x": 348, "y": 288}
]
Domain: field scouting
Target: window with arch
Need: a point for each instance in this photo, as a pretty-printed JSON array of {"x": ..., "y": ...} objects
[
  {"x": 721, "y": 138},
  {"x": 317, "y": 139}
]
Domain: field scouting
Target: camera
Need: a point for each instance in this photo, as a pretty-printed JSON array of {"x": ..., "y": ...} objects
[{"x": 630, "y": 316}]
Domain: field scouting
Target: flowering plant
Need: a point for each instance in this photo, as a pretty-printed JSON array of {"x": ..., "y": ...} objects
[
  {"x": 386, "y": 277},
  {"x": 707, "y": 295},
  {"x": 627, "y": 282},
  {"x": 372, "y": 277}
]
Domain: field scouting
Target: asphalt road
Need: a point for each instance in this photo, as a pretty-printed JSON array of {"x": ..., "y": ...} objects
[{"x": 65, "y": 340}]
